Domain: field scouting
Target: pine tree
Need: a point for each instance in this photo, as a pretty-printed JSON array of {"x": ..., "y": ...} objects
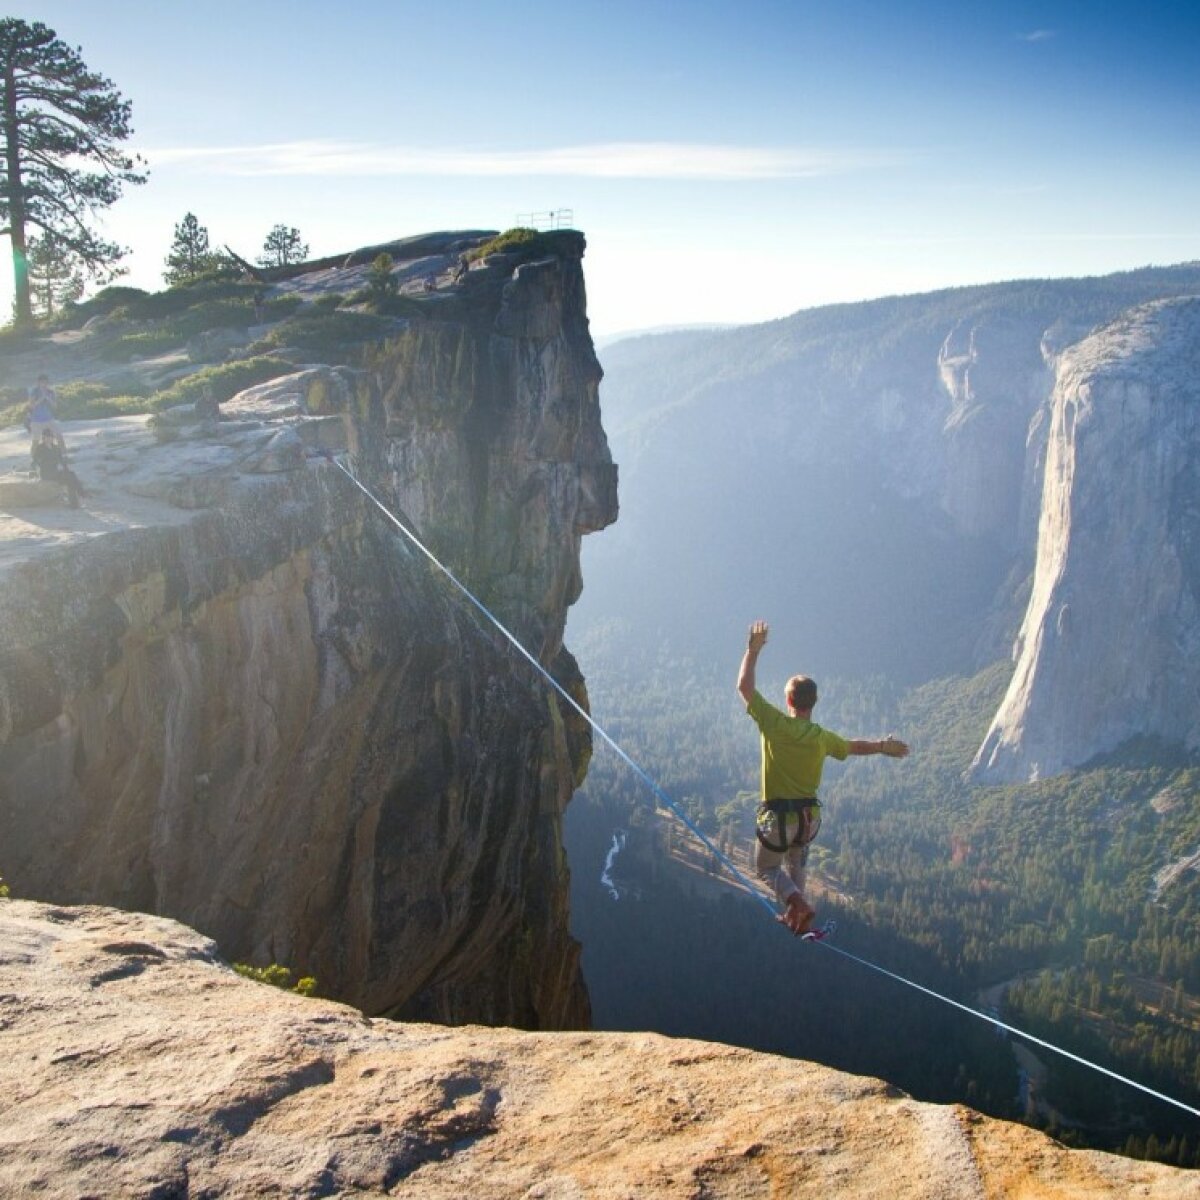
[
  {"x": 381, "y": 283},
  {"x": 283, "y": 246},
  {"x": 57, "y": 120},
  {"x": 190, "y": 254},
  {"x": 55, "y": 278}
]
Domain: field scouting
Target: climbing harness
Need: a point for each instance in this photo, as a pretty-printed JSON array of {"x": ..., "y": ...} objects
[
  {"x": 818, "y": 937},
  {"x": 772, "y": 823}
]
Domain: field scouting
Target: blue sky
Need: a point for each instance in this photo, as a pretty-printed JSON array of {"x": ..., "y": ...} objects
[{"x": 729, "y": 162}]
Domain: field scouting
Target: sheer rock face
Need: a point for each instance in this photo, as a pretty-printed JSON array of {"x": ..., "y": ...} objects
[
  {"x": 137, "y": 1064},
  {"x": 1111, "y": 639},
  {"x": 496, "y": 448},
  {"x": 252, "y": 705}
]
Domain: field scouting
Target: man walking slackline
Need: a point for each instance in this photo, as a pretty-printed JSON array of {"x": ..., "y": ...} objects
[{"x": 794, "y": 749}]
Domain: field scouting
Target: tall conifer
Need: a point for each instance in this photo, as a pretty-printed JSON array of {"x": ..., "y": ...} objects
[
  {"x": 282, "y": 246},
  {"x": 190, "y": 254},
  {"x": 55, "y": 279},
  {"x": 61, "y": 127}
]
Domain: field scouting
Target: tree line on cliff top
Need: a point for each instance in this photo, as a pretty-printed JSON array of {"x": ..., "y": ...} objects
[{"x": 62, "y": 163}]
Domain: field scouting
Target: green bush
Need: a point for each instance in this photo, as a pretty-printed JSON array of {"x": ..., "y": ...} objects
[
  {"x": 189, "y": 296},
  {"x": 147, "y": 343},
  {"x": 277, "y": 976},
  {"x": 223, "y": 270},
  {"x": 224, "y": 380},
  {"x": 106, "y": 299},
  {"x": 14, "y": 404},
  {"x": 209, "y": 304},
  {"x": 381, "y": 283},
  {"x": 331, "y": 335},
  {"x": 121, "y": 404},
  {"x": 389, "y": 306},
  {"x": 328, "y": 302},
  {"x": 85, "y": 399},
  {"x": 102, "y": 304},
  {"x": 236, "y": 312},
  {"x": 528, "y": 243},
  {"x": 519, "y": 238},
  {"x": 82, "y": 399},
  {"x": 214, "y": 300},
  {"x": 284, "y": 306}
]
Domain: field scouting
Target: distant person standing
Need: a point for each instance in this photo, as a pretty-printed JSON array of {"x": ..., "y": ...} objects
[
  {"x": 51, "y": 463},
  {"x": 794, "y": 749},
  {"x": 42, "y": 415}
]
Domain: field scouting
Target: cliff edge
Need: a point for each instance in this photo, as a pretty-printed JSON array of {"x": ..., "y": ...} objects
[
  {"x": 137, "y": 1064},
  {"x": 232, "y": 693}
]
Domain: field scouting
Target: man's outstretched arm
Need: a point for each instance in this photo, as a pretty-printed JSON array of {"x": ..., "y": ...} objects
[
  {"x": 891, "y": 746},
  {"x": 757, "y": 640}
]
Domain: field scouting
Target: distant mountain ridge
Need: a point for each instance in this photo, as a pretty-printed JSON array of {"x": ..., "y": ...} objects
[
  {"x": 600, "y": 340},
  {"x": 868, "y": 477}
]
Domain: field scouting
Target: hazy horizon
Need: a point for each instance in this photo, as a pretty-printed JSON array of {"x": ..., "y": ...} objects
[{"x": 732, "y": 168}]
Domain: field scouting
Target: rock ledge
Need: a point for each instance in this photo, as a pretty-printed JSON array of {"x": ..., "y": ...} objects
[{"x": 138, "y": 1064}]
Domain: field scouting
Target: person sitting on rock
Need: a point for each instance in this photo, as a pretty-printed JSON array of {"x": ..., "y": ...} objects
[
  {"x": 51, "y": 465},
  {"x": 794, "y": 750}
]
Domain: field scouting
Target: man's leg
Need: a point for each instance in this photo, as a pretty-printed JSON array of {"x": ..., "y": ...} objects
[
  {"x": 769, "y": 866},
  {"x": 797, "y": 868}
]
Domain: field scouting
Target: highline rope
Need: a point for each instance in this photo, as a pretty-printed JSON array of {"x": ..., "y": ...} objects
[{"x": 731, "y": 866}]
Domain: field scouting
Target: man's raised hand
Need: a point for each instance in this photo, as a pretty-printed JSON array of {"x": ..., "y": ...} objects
[{"x": 758, "y": 637}]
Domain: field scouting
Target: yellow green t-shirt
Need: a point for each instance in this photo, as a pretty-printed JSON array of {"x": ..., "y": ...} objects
[{"x": 793, "y": 751}]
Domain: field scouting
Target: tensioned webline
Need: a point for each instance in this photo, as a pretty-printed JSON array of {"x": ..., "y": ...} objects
[{"x": 723, "y": 858}]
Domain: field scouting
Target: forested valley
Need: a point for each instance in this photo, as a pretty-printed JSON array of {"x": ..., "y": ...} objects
[{"x": 1066, "y": 907}]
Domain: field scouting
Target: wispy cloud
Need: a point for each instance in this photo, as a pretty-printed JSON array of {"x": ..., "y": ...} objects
[
  {"x": 1038, "y": 35},
  {"x": 616, "y": 160}
]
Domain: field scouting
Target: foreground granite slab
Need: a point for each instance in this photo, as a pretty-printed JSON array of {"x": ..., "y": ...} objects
[{"x": 137, "y": 1064}]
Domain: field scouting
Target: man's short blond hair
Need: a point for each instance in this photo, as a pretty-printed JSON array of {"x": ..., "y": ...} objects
[{"x": 801, "y": 692}]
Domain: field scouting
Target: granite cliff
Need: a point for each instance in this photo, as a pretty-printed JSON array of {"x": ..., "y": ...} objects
[
  {"x": 1110, "y": 644},
  {"x": 137, "y": 1064},
  {"x": 232, "y": 694}
]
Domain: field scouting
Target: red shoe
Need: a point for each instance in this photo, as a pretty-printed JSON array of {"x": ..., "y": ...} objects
[{"x": 799, "y": 915}]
